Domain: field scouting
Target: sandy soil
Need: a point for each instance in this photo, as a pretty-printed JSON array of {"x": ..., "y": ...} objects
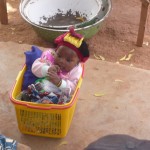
[{"x": 116, "y": 38}]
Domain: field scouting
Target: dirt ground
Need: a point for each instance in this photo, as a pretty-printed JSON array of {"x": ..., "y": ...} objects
[{"x": 116, "y": 38}]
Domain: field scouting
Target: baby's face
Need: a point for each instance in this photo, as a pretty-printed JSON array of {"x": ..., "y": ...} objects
[{"x": 66, "y": 58}]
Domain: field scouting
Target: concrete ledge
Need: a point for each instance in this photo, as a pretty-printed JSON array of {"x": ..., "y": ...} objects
[
  {"x": 22, "y": 147},
  {"x": 122, "y": 108}
]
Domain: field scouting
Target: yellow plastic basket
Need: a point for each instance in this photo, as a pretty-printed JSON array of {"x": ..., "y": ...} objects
[{"x": 49, "y": 120}]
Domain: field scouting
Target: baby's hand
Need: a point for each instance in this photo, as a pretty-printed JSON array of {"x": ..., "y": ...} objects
[
  {"x": 54, "y": 68},
  {"x": 53, "y": 76}
]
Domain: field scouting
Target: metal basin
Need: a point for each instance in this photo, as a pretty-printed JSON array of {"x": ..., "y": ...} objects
[
  {"x": 59, "y": 13},
  {"x": 95, "y": 12}
]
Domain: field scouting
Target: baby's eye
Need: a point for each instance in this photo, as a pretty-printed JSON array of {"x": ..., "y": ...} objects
[{"x": 68, "y": 60}]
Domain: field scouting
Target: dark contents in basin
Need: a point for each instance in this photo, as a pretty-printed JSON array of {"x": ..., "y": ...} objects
[{"x": 60, "y": 19}]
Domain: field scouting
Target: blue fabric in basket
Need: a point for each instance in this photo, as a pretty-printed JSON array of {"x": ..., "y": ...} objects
[
  {"x": 31, "y": 56},
  {"x": 7, "y": 143}
]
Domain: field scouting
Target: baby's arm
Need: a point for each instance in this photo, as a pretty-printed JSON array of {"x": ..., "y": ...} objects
[
  {"x": 39, "y": 68},
  {"x": 72, "y": 80},
  {"x": 41, "y": 65}
]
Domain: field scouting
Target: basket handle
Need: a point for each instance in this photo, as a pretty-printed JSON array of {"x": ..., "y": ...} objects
[
  {"x": 39, "y": 107},
  {"x": 46, "y": 108}
]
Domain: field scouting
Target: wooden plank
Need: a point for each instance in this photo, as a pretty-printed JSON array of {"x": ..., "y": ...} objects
[
  {"x": 145, "y": 1},
  {"x": 143, "y": 18},
  {"x": 3, "y": 12}
]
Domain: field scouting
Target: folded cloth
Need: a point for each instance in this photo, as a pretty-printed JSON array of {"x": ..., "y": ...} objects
[
  {"x": 31, "y": 56},
  {"x": 7, "y": 143},
  {"x": 119, "y": 142}
]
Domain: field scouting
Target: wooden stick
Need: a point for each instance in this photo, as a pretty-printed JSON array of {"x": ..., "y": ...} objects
[
  {"x": 145, "y": 1},
  {"x": 143, "y": 18},
  {"x": 3, "y": 12}
]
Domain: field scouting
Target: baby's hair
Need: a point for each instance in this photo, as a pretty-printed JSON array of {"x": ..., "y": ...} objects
[{"x": 84, "y": 49}]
